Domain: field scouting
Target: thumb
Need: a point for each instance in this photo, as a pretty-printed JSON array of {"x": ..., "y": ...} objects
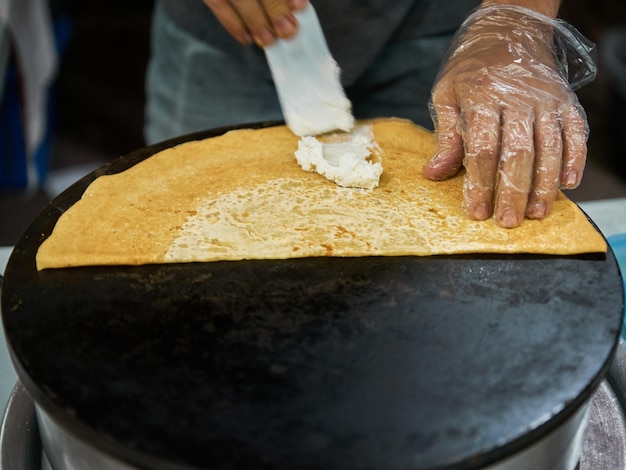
[{"x": 449, "y": 157}]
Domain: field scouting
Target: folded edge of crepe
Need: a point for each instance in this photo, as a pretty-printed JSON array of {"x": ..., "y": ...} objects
[{"x": 242, "y": 195}]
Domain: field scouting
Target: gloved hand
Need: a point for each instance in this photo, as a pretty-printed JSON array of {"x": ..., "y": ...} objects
[
  {"x": 504, "y": 107},
  {"x": 259, "y": 21}
]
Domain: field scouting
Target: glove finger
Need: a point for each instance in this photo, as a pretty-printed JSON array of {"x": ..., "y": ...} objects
[
  {"x": 516, "y": 167},
  {"x": 575, "y": 133},
  {"x": 548, "y": 158},
  {"x": 481, "y": 137},
  {"x": 449, "y": 157}
]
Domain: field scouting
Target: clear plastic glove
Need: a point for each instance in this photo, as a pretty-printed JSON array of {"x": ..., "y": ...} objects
[
  {"x": 259, "y": 21},
  {"x": 504, "y": 107}
]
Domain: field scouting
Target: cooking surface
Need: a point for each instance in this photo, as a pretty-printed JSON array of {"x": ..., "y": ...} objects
[
  {"x": 603, "y": 449},
  {"x": 350, "y": 361},
  {"x": 312, "y": 363}
]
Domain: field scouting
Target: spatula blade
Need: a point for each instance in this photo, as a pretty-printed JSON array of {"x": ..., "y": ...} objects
[{"x": 307, "y": 80}]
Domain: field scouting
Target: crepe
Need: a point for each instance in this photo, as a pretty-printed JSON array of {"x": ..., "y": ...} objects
[{"x": 242, "y": 195}]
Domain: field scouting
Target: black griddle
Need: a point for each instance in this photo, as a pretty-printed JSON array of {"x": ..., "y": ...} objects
[{"x": 320, "y": 363}]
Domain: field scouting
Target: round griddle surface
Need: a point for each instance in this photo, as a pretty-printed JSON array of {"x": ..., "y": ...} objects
[{"x": 400, "y": 362}]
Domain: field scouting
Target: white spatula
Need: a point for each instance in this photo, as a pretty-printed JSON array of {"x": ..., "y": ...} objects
[{"x": 307, "y": 80}]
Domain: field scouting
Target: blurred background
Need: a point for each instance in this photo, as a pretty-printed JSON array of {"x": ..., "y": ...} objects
[{"x": 95, "y": 104}]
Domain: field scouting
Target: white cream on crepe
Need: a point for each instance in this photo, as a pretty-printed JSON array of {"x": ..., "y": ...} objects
[{"x": 351, "y": 160}]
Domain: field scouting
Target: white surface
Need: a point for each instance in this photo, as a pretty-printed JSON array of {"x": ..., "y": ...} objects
[
  {"x": 609, "y": 215},
  {"x": 58, "y": 181},
  {"x": 8, "y": 377}
]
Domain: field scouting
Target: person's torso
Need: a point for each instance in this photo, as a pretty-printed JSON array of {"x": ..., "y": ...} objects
[{"x": 356, "y": 30}]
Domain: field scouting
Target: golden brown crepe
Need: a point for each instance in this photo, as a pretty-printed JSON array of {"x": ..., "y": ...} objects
[{"x": 243, "y": 196}]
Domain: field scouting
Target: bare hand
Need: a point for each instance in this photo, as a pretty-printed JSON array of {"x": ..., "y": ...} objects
[{"x": 259, "y": 21}]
